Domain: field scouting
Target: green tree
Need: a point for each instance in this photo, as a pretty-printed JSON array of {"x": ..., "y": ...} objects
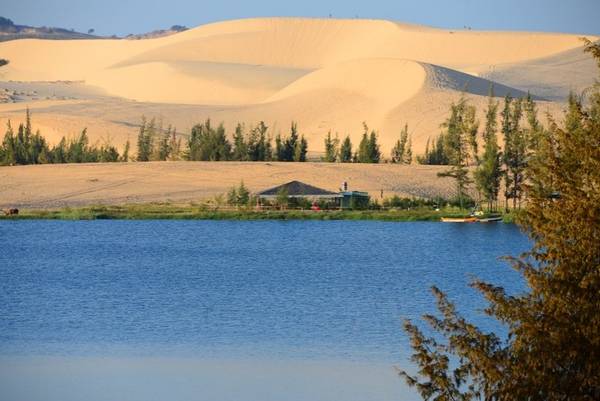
[
  {"x": 8, "y": 146},
  {"x": 346, "y": 151},
  {"x": 240, "y": 149},
  {"x": 399, "y": 148},
  {"x": 373, "y": 148},
  {"x": 515, "y": 150},
  {"x": 331, "y": 148},
  {"x": 289, "y": 144},
  {"x": 125, "y": 156},
  {"x": 164, "y": 145},
  {"x": 282, "y": 198},
  {"x": 144, "y": 140},
  {"x": 368, "y": 149},
  {"x": 300, "y": 150},
  {"x": 552, "y": 345},
  {"x": 458, "y": 127},
  {"x": 279, "y": 148},
  {"x": 174, "y": 146},
  {"x": 489, "y": 173},
  {"x": 408, "y": 154}
]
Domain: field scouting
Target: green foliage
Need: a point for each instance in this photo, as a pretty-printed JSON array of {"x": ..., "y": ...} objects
[
  {"x": 291, "y": 148},
  {"x": 26, "y": 147},
  {"x": 239, "y": 196},
  {"x": 459, "y": 128},
  {"x": 282, "y": 198},
  {"x": 435, "y": 154},
  {"x": 332, "y": 149},
  {"x": 240, "y": 149},
  {"x": 368, "y": 149},
  {"x": 125, "y": 156},
  {"x": 401, "y": 152},
  {"x": 346, "y": 151},
  {"x": 208, "y": 144},
  {"x": 552, "y": 346},
  {"x": 515, "y": 150},
  {"x": 489, "y": 173}
]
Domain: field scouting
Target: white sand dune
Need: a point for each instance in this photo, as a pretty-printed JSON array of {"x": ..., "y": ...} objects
[{"x": 326, "y": 74}]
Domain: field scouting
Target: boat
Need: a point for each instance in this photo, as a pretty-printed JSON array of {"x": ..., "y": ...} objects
[
  {"x": 459, "y": 219},
  {"x": 490, "y": 219}
]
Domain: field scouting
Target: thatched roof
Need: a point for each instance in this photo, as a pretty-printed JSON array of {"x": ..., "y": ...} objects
[{"x": 297, "y": 188}]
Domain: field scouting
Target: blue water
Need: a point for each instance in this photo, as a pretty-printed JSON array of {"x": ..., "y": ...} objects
[{"x": 229, "y": 290}]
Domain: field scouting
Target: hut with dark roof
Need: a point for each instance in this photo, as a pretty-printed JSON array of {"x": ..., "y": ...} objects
[{"x": 297, "y": 189}]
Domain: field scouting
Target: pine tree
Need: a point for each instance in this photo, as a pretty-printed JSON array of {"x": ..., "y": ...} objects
[
  {"x": 174, "y": 146},
  {"x": 331, "y": 148},
  {"x": 458, "y": 128},
  {"x": 240, "y": 149},
  {"x": 290, "y": 143},
  {"x": 164, "y": 149},
  {"x": 346, "y": 151},
  {"x": 515, "y": 150},
  {"x": 143, "y": 150},
  {"x": 300, "y": 150},
  {"x": 374, "y": 151},
  {"x": 263, "y": 147},
  {"x": 489, "y": 173},
  {"x": 125, "y": 156},
  {"x": 363, "y": 154},
  {"x": 8, "y": 144},
  {"x": 279, "y": 148},
  {"x": 243, "y": 194},
  {"x": 399, "y": 148},
  {"x": 408, "y": 154}
]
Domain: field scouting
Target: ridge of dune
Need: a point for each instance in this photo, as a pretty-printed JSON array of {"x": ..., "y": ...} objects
[
  {"x": 383, "y": 81},
  {"x": 325, "y": 74}
]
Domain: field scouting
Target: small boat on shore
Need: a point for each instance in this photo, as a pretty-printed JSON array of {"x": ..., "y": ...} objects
[
  {"x": 490, "y": 219},
  {"x": 459, "y": 219}
]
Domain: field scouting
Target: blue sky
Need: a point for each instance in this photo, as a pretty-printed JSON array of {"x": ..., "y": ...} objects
[{"x": 136, "y": 16}]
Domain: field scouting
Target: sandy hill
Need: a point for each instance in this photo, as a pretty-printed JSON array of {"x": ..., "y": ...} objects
[{"x": 327, "y": 74}]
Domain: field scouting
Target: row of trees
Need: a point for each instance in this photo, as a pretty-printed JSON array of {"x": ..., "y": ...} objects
[
  {"x": 458, "y": 147},
  {"x": 368, "y": 149},
  {"x": 27, "y": 147}
]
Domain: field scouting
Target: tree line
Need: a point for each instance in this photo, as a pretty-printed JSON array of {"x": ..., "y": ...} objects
[
  {"x": 27, "y": 147},
  {"x": 458, "y": 147}
]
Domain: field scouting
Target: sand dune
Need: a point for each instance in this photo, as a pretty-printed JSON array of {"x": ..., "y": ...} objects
[{"x": 326, "y": 74}]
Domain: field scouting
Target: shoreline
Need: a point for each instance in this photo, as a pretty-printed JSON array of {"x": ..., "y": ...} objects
[{"x": 167, "y": 211}]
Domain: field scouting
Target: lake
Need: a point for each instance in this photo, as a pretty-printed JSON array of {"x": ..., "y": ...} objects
[{"x": 230, "y": 310}]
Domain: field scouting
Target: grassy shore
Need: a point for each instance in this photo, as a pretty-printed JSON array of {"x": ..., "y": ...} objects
[{"x": 168, "y": 211}]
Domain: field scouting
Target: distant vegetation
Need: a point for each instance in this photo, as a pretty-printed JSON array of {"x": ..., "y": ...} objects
[
  {"x": 158, "y": 33},
  {"x": 9, "y": 31},
  {"x": 27, "y": 147}
]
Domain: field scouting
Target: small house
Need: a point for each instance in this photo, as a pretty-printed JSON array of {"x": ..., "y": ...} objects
[{"x": 296, "y": 189}]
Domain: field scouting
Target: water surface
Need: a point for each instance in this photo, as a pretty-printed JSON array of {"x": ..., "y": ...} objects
[{"x": 300, "y": 310}]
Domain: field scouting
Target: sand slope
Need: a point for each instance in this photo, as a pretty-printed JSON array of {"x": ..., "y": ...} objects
[{"x": 327, "y": 74}]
